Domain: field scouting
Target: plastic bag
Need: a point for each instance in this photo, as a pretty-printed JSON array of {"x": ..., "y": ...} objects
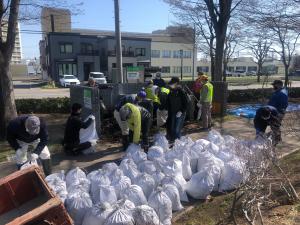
[
  {"x": 81, "y": 183},
  {"x": 146, "y": 182},
  {"x": 147, "y": 167},
  {"x": 186, "y": 166},
  {"x": 174, "y": 169},
  {"x": 98, "y": 179},
  {"x": 116, "y": 175},
  {"x": 77, "y": 205},
  {"x": 215, "y": 137},
  {"x": 180, "y": 187},
  {"x": 206, "y": 158},
  {"x": 135, "y": 194},
  {"x": 138, "y": 156},
  {"x": 125, "y": 204},
  {"x": 58, "y": 186},
  {"x": 120, "y": 217},
  {"x": 121, "y": 185},
  {"x": 98, "y": 214},
  {"x": 200, "y": 185},
  {"x": 155, "y": 152},
  {"x": 132, "y": 148},
  {"x": 109, "y": 168},
  {"x": 131, "y": 172},
  {"x": 73, "y": 175},
  {"x": 104, "y": 193},
  {"x": 60, "y": 175},
  {"x": 161, "y": 140},
  {"x": 145, "y": 215},
  {"x": 158, "y": 176},
  {"x": 161, "y": 203},
  {"x": 173, "y": 195}
]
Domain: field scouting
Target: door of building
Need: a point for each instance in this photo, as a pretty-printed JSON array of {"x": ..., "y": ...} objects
[{"x": 87, "y": 68}]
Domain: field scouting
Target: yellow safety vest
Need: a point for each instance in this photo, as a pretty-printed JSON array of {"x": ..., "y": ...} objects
[
  {"x": 135, "y": 122},
  {"x": 207, "y": 97},
  {"x": 165, "y": 90},
  {"x": 150, "y": 95}
]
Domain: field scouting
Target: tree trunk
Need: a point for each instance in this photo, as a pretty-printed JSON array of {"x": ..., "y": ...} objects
[
  {"x": 7, "y": 99},
  {"x": 286, "y": 77},
  {"x": 212, "y": 68},
  {"x": 224, "y": 71},
  {"x": 220, "y": 40},
  {"x": 259, "y": 72}
]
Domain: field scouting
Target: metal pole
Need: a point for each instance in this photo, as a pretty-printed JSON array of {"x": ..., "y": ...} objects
[
  {"x": 52, "y": 23},
  {"x": 181, "y": 56},
  {"x": 118, "y": 42},
  {"x": 194, "y": 48}
]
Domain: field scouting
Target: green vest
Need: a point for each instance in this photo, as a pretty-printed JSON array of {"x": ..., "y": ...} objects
[
  {"x": 207, "y": 97},
  {"x": 165, "y": 90},
  {"x": 150, "y": 95}
]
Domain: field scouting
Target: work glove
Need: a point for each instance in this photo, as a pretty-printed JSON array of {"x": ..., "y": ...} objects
[
  {"x": 34, "y": 157},
  {"x": 92, "y": 117},
  {"x": 179, "y": 114}
]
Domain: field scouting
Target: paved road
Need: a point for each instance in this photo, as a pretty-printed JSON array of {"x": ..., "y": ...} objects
[
  {"x": 258, "y": 86},
  {"x": 41, "y": 93}
]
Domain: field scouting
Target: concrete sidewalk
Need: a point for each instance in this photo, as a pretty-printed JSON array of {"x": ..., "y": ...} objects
[{"x": 107, "y": 152}]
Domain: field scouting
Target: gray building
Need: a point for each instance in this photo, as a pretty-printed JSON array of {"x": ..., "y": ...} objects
[{"x": 79, "y": 54}]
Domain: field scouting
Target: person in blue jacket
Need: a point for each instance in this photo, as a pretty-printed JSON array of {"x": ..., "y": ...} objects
[
  {"x": 279, "y": 98},
  {"x": 268, "y": 116}
]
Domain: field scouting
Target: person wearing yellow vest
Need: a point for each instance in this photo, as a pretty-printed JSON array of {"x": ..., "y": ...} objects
[
  {"x": 206, "y": 97},
  {"x": 151, "y": 93},
  {"x": 162, "y": 111},
  {"x": 139, "y": 122}
]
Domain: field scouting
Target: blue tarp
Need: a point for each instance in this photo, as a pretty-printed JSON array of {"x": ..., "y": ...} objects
[{"x": 249, "y": 110}]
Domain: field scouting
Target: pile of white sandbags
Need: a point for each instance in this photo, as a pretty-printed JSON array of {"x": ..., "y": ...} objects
[{"x": 147, "y": 188}]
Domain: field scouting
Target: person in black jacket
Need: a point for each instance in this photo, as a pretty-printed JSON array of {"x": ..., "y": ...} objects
[
  {"x": 268, "y": 116},
  {"x": 177, "y": 103},
  {"x": 142, "y": 101},
  {"x": 71, "y": 140},
  {"x": 158, "y": 81},
  {"x": 25, "y": 131}
]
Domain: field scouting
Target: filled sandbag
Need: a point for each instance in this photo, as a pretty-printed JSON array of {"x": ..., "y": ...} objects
[
  {"x": 158, "y": 177},
  {"x": 135, "y": 194},
  {"x": 180, "y": 186},
  {"x": 121, "y": 185},
  {"x": 98, "y": 214},
  {"x": 155, "y": 152},
  {"x": 201, "y": 185},
  {"x": 138, "y": 156},
  {"x": 161, "y": 203},
  {"x": 60, "y": 175},
  {"x": 215, "y": 137},
  {"x": 132, "y": 148},
  {"x": 74, "y": 175},
  {"x": 98, "y": 179},
  {"x": 147, "y": 167},
  {"x": 145, "y": 215},
  {"x": 77, "y": 205},
  {"x": 58, "y": 186},
  {"x": 104, "y": 193},
  {"x": 109, "y": 168},
  {"x": 173, "y": 195},
  {"x": 120, "y": 217},
  {"x": 81, "y": 183},
  {"x": 124, "y": 204},
  {"x": 161, "y": 140},
  {"x": 146, "y": 182},
  {"x": 131, "y": 172}
]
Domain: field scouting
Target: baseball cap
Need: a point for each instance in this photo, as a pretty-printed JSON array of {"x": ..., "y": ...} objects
[
  {"x": 142, "y": 94},
  {"x": 278, "y": 82},
  {"x": 174, "y": 80},
  {"x": 125, "y": 113},
  {"x": 204, "y": 77},
  {"x": 32, "y": 125}
]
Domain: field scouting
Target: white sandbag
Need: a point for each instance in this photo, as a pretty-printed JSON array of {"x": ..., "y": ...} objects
[
  {"x": 155, "y": 152},
  {"x": 145, "y": 215},
  {"x": 147, "y": 167},
  {"x": 104, "y": 193},
  {"x": 201, "y": 185},
  {"x": 173, "y": 195},
  {"x": 98, "y": 214},
  {"x": 204, "y": 143},
  {"x": 225, "y": 155},
  {"x": 121, "y": 185},
  {"x": 135, "y": 194},
  {"x": 206, "y": 158},
  {"x": 180, "y": 187},
  {"x": 158, "y": 176},
  {"x": 146, "y": 182},
  {"x": 98, "y": 179},
  {"x": 29, "y": 163},
  {"x": 215, "y": 137},
  {"x": 60, "y": 175},
  {"x": 91, "y": 174},
  {"x": 58, "y": 186},
  {"x": 73, "y": 175},
  {"x": 161, "y": 203},
  {"x": 138, "y": 156},
  {"x": 186, "y": 166},
  {"x": 132, "y": 148},
  {"x": 173, "y": 168},
  {"x": 109, "y": 168},
  {"x": 232, "y": 175},
  {"x": 125, "y": 204},
  {"x": 194, "y": 153},
  {"x": 77, "y": 204},
  {"x": 128, "y": 166},
  {"x": 212, "y": 148},
  {"x": 82, "y": 183},
  {"x": 120, "y": 217},
  {"x": 161, "y": 140}
]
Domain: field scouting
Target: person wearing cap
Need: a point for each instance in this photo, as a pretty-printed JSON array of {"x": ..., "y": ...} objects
[
  {"x": 279, "y": 98},
  {"x": 206, "y": 97},
  {"x": 268, "y": 116},
  {"x": 123, "y": 124},
  {"x": 25, "y": 131},
  {"x": 74, "y": 123},
  {"x": 158, "y": 81},
  {"x": 139, "y": 121},
  {"x": 177, "y": 104},
  {"x": 143, "y": 101},
  {"x": 152, "y": 94}
]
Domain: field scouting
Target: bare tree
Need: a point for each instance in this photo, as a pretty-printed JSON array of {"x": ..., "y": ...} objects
[{"x": 11, "y": 12}]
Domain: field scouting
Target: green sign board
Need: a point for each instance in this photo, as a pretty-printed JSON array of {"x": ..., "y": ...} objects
[{"x": 135, "y": 69}]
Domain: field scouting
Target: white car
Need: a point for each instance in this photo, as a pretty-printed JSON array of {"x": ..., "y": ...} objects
[
  {"x": 68, "y": 80},
  {"x": 98, "y": 77}
]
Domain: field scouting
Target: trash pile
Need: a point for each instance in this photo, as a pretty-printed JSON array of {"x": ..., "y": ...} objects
[{"x": 146, "y": 188}]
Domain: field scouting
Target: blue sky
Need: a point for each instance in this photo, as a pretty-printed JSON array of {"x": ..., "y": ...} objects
[{"x": 136, "y": 15}]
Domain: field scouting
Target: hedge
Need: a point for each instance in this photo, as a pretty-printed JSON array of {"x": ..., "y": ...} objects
[{"x": 44, "y": 105}]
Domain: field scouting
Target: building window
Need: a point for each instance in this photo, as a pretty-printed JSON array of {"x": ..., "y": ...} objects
[
  {"x": 155, "y": 53},
  {"x": 187, "y": 69},
  {"x": 66, "y": 48},
  {"x": 67, "y": 68},
  {"x": 166, "y": 54},
  {"x": 204, "y": 69},
  {"x": 187, "y": 54},
  {"x": 86, "y": 48},
  {"x": 140, "y": 52},
  {"x": 252, "y": 68},
  {"x": 240, "y": 68},
  {"x": 230, "y": 68},
  {"x": 176, "y": 69},
  {"x": 165, "y": 69},
  {"x": 176, "y": 54}
]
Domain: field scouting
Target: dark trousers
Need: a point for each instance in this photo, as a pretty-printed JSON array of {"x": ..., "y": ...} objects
[
  {"x": 145, "y": 129},
  {"x": 76, "y": 148},
  {"x": 174, "y": 126}
]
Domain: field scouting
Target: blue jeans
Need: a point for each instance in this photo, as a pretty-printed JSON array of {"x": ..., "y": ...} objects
[{"x": 175, "y": 125}]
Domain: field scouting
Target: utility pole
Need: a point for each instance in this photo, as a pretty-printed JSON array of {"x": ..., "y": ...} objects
[
  {"x": 181, "y": 67},
  {"x": 118, "y": 42},
  {"x": 194, "y": 51}
]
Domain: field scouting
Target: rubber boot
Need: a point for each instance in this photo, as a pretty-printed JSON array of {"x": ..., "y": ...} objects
[
  {"x": 47, "y": 167},
  {"x": 125, "y": 142}
]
